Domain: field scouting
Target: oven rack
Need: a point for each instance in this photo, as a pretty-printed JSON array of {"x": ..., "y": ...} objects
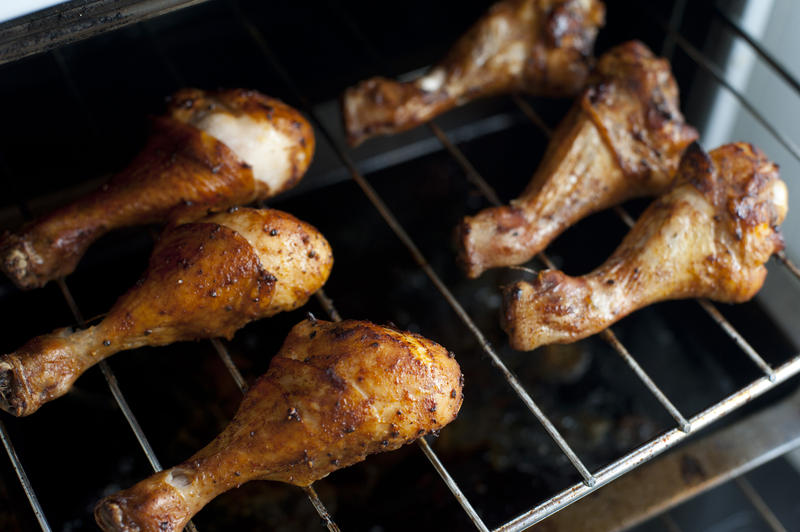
[{"x": 685, "y": 426}]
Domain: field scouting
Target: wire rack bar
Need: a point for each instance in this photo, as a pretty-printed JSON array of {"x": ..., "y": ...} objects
[
  {"x": 712, "y": 311},
  {"x": 612, "y": 339},
  {"x": 717, "y": 316},
  {"x": 403, "y": 236},
  {"x": 675, "y": 17},
  {"x": 701, "y": 60},
  {"x": 23, "y": 478},
  {"x": 791, "y": 266},
  {"x": 111, "y": 379},
  {"x": 116, "y": 391},
  {"x": 459, "y": 495},
  {"x": 470, "y": 172},
  {"x": 654, "y": 447},
  {"x": 219, "y": 347},
  {"x": 760, "y": 50},
  {"x": 759, "y": 504},
  {"x": 626, "y": 218},
  {"x": 316, "y": 502},
  {"x": 327, "y": 304},
  {"x": 8, "y": 445},
  {"x": 225, "y": 356},
  {"x": 532, "y": 115},
  {"x": 608, "y": 335},
  {"x": 113, "y": 385},
  {"x": 319, "y": 506},
  {"x": 490, "y": 194}
]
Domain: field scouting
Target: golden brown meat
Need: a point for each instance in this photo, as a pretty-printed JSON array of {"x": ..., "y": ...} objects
[
  {"x": 205, "y": 279},
  {"x": 623, "y": 138},
  {"x": 221, "y": 148},
  {"x": 334, "y": 393},
  {"x": 709, "y": 236},
  {"x": 542, "y": 47}
]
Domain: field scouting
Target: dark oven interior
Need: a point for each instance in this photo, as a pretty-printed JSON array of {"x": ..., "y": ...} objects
[{"x": 77, "y": 113}]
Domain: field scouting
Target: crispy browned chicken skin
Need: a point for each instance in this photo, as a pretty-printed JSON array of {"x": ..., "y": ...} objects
[
  {"x": 205, "y": 279},
  {"x": 334, "y": 393},
  {"x": 709, "y": 236},
  {"x": 542, "y": 47},
  {"x": 221, "y": 148},
  {"x": 623, "y": 138}
]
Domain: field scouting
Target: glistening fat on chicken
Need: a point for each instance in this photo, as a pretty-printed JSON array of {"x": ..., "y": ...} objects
[
  {"x": 541, "y": 47},
  {"x": 219, "y": 149},
  {"x": 334, "y": 394},
  {"x": 709, "y": 236},
  {"x": 205, "y": 279}
]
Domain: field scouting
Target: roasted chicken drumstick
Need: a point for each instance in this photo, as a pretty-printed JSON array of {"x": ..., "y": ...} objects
[
  {"x": 334, "y": 393},
  {"x": 709, "y": 236},
  {"x": 542, "y": 47},
  {"x": 205, "y": 279},
  {"x": 221, "y": 148},
  {"x": 623, "y": 138}
]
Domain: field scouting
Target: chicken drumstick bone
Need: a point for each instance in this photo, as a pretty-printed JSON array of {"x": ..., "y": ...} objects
[{"x": 205, "y": 279}]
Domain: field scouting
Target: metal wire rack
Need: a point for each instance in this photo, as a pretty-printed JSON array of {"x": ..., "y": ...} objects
[{"x": 685, "y": 425}]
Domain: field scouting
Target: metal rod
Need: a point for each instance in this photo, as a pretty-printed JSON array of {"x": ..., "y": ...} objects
[
  {"x": 422, "y": 263},
  {"x": 792, "y": 267},
  {"x": 459, "y": 495},
  {"x": 403, "y": 236},
  {"x": 759, "y": 504},
  {"x": 607, "y": 334},
  {"x": 626, "y": 218},
  {"x": 316, "y": 502},
  {"x": 319, "y": 506},
  {"x": 717, "y": 74},
  {"x": 219, "y": 347},
  {"x": 327, "y": 304},
  {"x": 738, "y": 338},
  {"x": 714, "y": 313},
  {"x": 654, "y": 448},
  {"x": 111, "y": 379},
  {"x": 760, "y": 50},
  {"x": 223, "y": 353},
  {"x": 471, "y": 173},
  {"x": 612, "y": 339},
  {"x": 23, "y": 478},
  {"x": 113, "y": 385},
  {"x": 532, "y": 115},
  {"x": 675, "y": 18},
  {"x": 116, "y": 391}
]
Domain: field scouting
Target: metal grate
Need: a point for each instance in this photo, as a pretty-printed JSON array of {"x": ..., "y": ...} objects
[{"x": 591, "y": 481}]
